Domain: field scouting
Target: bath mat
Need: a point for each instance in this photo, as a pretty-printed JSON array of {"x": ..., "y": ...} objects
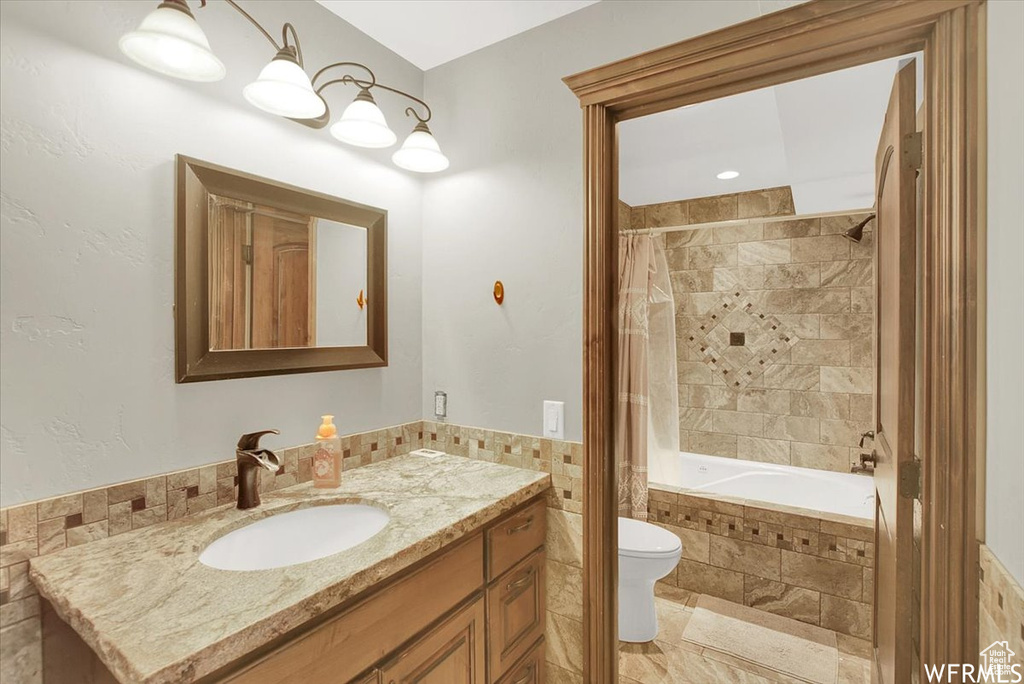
[{"x": 778, "y": 643}]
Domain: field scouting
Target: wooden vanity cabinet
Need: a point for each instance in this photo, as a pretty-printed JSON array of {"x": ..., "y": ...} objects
[
  {"x": 515, "y": 605},
  {"x": 473, "y": 614},
  {"x": 451, "y": 653}
]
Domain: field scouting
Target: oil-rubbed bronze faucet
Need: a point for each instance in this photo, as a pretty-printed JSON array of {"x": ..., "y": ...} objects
[{"x": 250, "y": 458}]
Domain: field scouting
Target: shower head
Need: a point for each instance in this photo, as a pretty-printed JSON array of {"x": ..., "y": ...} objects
[{"x": 857, "y": 232}]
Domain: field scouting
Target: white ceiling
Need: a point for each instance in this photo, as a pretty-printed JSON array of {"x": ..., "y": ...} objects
[
  {"x": 431, "y": 32},
  {"x": 817, "y": 135}
]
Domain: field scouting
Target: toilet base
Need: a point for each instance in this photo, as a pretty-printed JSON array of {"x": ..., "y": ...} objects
[{"x": 638, "y": 620}]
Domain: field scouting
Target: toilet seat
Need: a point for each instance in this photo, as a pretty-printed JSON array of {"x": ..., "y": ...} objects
[{"x": 639, "y": 539}]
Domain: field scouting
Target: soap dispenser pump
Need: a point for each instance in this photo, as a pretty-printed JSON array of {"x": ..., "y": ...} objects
[{"x": 327, "y": 457}]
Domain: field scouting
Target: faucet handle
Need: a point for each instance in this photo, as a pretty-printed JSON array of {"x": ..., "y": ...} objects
[
  {"x": 870, "y": 434},
  {"x": 251, "y": 440}
]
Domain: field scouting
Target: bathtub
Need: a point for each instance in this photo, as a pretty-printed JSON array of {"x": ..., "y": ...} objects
[{"x": 843, "y": 494}]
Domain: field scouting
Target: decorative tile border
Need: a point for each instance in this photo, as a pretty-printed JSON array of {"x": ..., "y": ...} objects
[
  {"x": 564, "y": 460},
  {"x": 814, "y": 569},
  {"x": 1002, "y": 604}
]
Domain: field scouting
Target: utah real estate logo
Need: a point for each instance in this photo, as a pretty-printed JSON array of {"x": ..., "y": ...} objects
[{"x": 997, "y": 666}]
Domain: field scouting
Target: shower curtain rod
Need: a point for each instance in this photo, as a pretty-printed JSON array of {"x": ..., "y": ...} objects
[{"x": 745, "y": 221}]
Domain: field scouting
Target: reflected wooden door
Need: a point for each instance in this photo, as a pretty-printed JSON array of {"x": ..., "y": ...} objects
[
  {"x": 282, "y": 291},
  {"x": 896, "y": 162}
]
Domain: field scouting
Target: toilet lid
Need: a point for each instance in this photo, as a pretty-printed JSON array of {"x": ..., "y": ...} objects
[{"x": 640, "y": 539}]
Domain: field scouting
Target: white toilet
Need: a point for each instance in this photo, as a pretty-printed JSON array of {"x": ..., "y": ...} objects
[{"x": 646, "y": 554}]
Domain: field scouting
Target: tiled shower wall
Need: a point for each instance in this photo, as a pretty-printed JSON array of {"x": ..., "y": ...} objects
[{"x": 809, "y": 297}]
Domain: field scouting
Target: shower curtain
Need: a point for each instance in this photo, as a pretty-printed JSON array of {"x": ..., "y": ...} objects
[{"x": 647, "y": 410}]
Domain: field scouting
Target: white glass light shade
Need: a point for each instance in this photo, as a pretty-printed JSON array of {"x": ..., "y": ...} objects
[
  {"x": 169, "y": 41},
  {"x": 420, "y": 152},
  {"x": 283, "y": 88},
  {"x": 362, "y": 124}
]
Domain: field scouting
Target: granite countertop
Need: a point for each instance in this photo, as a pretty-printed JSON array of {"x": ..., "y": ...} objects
[{"x": 154, "y": 613}]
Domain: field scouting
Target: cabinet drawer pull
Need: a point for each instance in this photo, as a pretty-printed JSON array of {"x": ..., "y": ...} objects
[
  {"x": 511, "y": 586},
  {"x": 523, "y": 526},
  {"x": 526, "y": 676}
]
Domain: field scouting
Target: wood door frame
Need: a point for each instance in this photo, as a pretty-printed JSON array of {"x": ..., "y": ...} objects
[{"x": 807, "y": 40}]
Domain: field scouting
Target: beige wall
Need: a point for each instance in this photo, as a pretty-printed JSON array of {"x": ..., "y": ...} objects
[{"x": 810, "y": 400}]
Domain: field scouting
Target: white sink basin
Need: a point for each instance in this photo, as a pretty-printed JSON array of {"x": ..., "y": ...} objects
[{"x": 295, "y": 537}]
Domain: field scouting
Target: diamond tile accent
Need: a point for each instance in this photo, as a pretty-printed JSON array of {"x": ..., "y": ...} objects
[{"x": 764, "y": 336}]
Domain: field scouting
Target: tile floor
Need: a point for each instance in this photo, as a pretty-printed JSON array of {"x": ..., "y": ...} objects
[{"x": 671, "y": 660}]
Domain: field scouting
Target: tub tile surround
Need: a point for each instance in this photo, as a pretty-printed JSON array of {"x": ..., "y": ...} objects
[
  {"x": 805, "y": 400},
  {"x": 813, "y": 568},
  {"x": 1002, "y": 605}
]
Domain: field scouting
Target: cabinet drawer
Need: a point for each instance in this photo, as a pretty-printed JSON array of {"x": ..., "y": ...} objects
[
  {"x": 529, "y": 670},
  {"x": 347, "y": 645},
  {"x": 515, "y": 613},
  {"x": 514, "y": 538},
  {"x": 451, "y": 653}
]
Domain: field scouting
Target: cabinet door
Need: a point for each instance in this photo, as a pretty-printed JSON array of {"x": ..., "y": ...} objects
[
  {"x": 515, "y": 613},
  {"x": 369, "y": 678},
  {"x": 452, "y": 653},
  {"x": 529, "y": 670}
]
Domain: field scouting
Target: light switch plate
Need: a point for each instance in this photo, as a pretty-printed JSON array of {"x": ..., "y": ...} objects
[{"x": 554, "y": 419}]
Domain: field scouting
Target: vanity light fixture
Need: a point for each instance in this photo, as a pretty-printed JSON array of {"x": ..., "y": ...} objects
[
  {"x": 362, "y": 124},
  {"x": 283, "y": 88},
  {"x": 170, "y": 41},
  {"x": 728, "y": 175},
  {"x": 420, "y": 152}
]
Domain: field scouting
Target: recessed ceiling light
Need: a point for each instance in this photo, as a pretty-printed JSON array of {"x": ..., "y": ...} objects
[{"x": 728, "y": 175}]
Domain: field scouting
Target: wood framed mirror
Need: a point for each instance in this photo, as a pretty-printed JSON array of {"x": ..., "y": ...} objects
[{"x": 272, "y": 279}]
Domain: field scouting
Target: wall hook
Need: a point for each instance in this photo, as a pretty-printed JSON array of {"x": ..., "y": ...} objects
[
  {"x": 499, "y": 292},
  {"x": 361, "y": 301}
]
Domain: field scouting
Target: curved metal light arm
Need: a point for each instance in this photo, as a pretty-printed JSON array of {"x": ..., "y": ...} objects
[
  {"x": 351, "y": 79},
  {"x": 288, "y": 28},
  {"x": 257, "y": 25},
  {"x": 295, "y": 37},
  {"x": 347, "y": 78}
]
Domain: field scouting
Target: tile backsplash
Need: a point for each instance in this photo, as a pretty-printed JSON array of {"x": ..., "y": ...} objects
[
  {"x": 47, "y": 526},
  {"x": 802, "y": 296}
]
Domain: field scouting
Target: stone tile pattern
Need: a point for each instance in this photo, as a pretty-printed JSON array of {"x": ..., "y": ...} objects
[
  {"x": 812, "y": 401},
  {"x": 1002, "y": 605},
  {"x": 813, "y": 569},
  {"x": 563, "y": 460},
  {"x": 564, "y": 542},
  {"x": 43, "y": 527}
]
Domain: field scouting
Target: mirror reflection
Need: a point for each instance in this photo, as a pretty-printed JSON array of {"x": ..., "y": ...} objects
[{"x": 281, "y": 279}]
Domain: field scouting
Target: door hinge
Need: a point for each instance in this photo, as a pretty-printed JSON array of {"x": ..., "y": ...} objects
[
  {"x": 913, "y": 150},
  {"x": 247, "y": 253},
  {"x": 910, "y": 479}
]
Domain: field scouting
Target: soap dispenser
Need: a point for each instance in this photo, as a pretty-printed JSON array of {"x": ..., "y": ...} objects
[{"x": 327, "y": 457}]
